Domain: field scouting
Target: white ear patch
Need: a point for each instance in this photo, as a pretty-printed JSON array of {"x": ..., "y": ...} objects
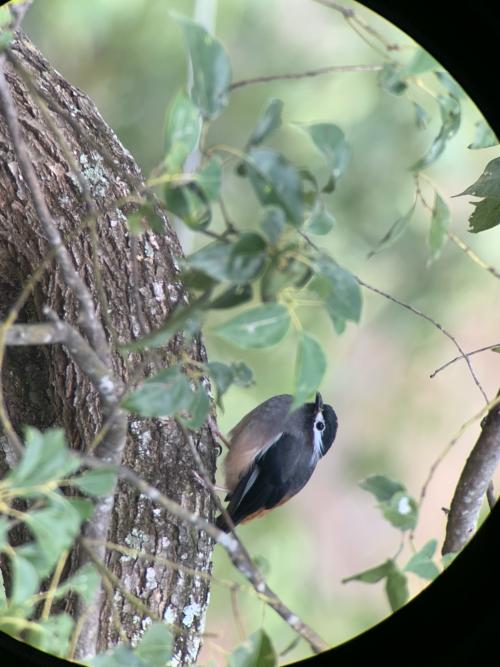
[{"x": 318, "y": 428}]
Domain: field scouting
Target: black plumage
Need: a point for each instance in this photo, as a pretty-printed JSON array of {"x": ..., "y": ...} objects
[{"x": 284, "y": 459}]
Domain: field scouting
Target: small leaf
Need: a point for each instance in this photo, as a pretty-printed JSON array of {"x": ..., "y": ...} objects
[
  {"x": 488, "y": 184},
  {"x": 448, "y": 558},
  {"x": 421, "y": 62},
  {"x": 373, "y": 575},
  {"x": 164, "y": 394},
  {"x": 52, "y": 634},
  {"x": 395, "y": 232},
  {"x": 381, "y": 487},
  {"x": 198, "y": 409},
  {"x": 233, "y": 296},
  {"x": 401, "y": 511},
  {"x": 484, "y": 136},
  {"x": 421, "y": 563},
  {"x": 247, "y": 258},
  {"x": 145, "y": 217},
  {"x": 155, "y": 646},
  {"x": 422, "y": 118},
  {"x": 256, "y": 651},
  {"x": 268, "y": 122},
  {"x": 283, "y": 271},
  {"x": 84, "y": 582},
  {"x": 243, "y": 375},
  {"x": 26, "y": 579},
  {"x": 310, "y": 367},
  {"x": 450, "y": 117},
  {"x": 486, "y": 215},
  {"x": 344, "y": 298},
  {"x": 321, "y": 222},
  {"x": 5, "y": 17},
  {"x": 256, "y": 328},
  {"x": 183, "y": 125},
  {"x": 98, "y": 482},
  {"x": 330, "y": 140},
  {"x": 273, "y": 223},
  {"x": 391, "y": 79},
  {"x": 212, "y": 260},
  {"x": 222, "y": 376},
  {"x": 276, "y": 182},
  {"x": 189, "y": 203},
  {"x": 120, "y": 656},
  {"x": 440, "y": 223},
  {"x": 450, "y": 84},
  {"x": 45, "y": 458},
  {"x": 210, "y": 66},
  {"x": 396, "y": 588},
  {"x": 209, "y": 178}
]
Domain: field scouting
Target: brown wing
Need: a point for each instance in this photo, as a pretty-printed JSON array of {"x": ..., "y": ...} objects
[{"x": 252, "y": 434}]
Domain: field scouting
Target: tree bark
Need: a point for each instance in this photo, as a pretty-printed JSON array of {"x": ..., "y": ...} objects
[{"x": 45, "y": 388}]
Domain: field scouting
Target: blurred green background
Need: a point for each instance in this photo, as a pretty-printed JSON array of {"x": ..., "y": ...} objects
[{"x": 129, "y": 56}]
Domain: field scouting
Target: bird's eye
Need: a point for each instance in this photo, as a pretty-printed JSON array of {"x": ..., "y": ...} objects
[{"x": 320, "y": 426}]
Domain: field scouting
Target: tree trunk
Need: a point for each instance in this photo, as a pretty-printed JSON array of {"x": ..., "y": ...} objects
[{"x": 45, "y": 388}]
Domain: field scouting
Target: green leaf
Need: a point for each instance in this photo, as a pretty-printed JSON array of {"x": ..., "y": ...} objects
[
  {"x": 98, "y": 482},
  {"x": 268, "y": 122},
  {"x": 395, "y": 232},
  {"x": 155, "y": 647},
  {"x": 421, "y": 563},
  {"x": 198, "y": 409},
  {"x": 396, "y": 588},
  {"x": 46, "y": 458},
  {"x": 26, "y": 579},
  {"x": 484, "y": 136},
  {"x": 486, "y": 215},
  {"x": 209, "y": 178},
  {"x": 381, "y": 487},
  {"x": 183, "y": 125},
  {"x": 212, "y": 260},
  {"x": 54, "y": 528},
  {"x": 222, "y": 376},
  {"x": 391, "y": 79},
  {"x": 450, "y": 84},
  {"x": 450, "y": 117},
  {"x": 440, "y": 223},
  {"x": 144, "y": 217},
  {"x": 256, "y": 651},
  {"x": 233, "y": 296},
  {"x": 52, "y": 634},
  {"x": 321, "y": 222},
  {"x": 273, "y": 223},
  {"x": 330, "y": 140},
  {"x": 488, "y": 184},
  {"x": 121, "y": 656},
  {"x": 422, "y": 118},
  {"x": 84, "y": 582},
  {"x": 259, "y": 327},
  {"x": 189, "y": 203},
  {"x": 5, "y": 17},
  {"x": 187, "y": 318},
  {"x": 448, "y": 558},
  {"x": 247, "y": 258},
  {"x": 210, "y": 66},
  {"x": 276, "y": 182},
  {"x": 373, "y": 575},
  {"x": 283, "y": 271},
  {"x": 4, "y": 529},
  {"x": 243, "y": 375},
  {"x": 6, "y": 37},
  {"x": 421, "y": 62},
  {"x": 164, "y": 394},
  {"x": 82, "y": 506},
  {"x": 401, "y": 511},
  {"x": 344, "y": 297},
  {"x": 310, "y": 368}
]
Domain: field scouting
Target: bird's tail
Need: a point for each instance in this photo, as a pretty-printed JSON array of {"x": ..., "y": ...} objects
[{"x": 221, "y": 524}]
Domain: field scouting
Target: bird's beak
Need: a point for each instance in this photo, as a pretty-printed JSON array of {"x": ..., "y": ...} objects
[{"x": 318, "y": 404}]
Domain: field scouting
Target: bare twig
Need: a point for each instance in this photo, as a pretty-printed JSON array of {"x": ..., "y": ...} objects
[
  {"x": 468, "y": 354},
  {"x": 472, "y": 255},
  {"x": 238, "y": 556},
  {"x": 329, "y": 69},
  {"x": 473, "y": 483}
]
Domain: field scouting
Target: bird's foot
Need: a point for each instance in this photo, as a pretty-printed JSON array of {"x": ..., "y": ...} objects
[{"x": 216, "y": 434}]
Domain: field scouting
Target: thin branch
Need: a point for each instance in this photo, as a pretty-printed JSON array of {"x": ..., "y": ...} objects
[
  {"x": 238, "y": 556},
  {"x": 89, "y": 321},
  {"x": 473, "y": 483},
  {"x": 472, "y": 255},
  {"x": 469, "y": 354},
  {"x": 329, "y": 69}
]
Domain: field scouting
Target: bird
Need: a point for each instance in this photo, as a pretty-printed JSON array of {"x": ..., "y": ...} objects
[{"x": 273, "y": 453}]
